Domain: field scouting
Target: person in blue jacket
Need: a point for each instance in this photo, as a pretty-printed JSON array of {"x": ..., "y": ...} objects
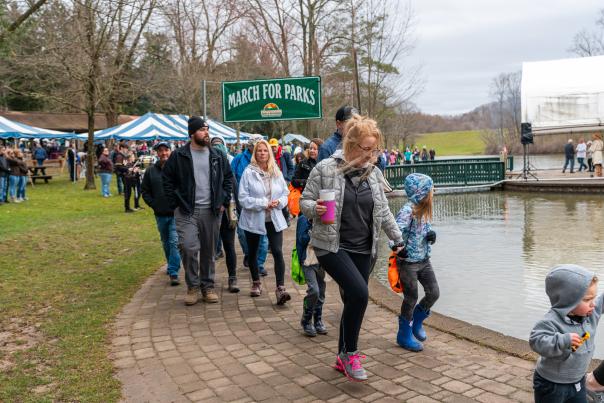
[
  {"x": 334, "y": 142},
  {"x": 414, "y": 221},
  {"x": 40, "y": 155}
]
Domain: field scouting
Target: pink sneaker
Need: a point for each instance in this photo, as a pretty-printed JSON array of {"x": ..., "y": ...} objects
[{"x": 351, "y": 365}]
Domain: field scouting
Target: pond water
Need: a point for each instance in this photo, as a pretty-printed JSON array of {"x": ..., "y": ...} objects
[{"x": 495, "y": 248}]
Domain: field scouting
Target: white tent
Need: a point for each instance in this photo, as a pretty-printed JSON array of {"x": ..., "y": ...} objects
[
  {"x": 563, "y": 95},
  {"x": 155, "y": 126},
  {"x": 12, "y": 129},
  {"x": 289, "y": 137}
]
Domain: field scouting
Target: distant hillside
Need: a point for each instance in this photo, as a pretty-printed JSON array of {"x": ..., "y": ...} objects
[
  {"x": 476, "y": 119},
  {"x": 453, "y": 143}
]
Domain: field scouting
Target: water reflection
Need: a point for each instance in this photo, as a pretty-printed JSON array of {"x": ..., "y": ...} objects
[{"x": 494, "y": 250}]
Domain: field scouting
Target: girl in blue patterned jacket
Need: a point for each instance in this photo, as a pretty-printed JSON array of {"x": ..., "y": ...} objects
[{"x": 414, "y": 221}]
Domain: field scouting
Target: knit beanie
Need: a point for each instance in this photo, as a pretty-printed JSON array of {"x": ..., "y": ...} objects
[{"x": 195, "y": 123}]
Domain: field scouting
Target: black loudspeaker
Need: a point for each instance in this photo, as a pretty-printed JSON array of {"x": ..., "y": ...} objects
[{"x": 526, "y": 133}]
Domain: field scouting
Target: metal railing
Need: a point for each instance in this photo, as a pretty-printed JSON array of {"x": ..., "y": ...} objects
[
  {"x": 509, "y": 164},
  {"x": 457, "y": 173}
]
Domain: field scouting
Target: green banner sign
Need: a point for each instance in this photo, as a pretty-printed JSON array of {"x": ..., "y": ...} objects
[{"x": 274, "y": 99}]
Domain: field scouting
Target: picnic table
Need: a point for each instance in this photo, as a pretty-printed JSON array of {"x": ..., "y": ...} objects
[{"x": 39, "y": 172}]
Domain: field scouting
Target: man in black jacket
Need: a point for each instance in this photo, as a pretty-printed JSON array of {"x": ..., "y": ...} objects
[
  {"x": 198, "y": 183},
  {"x": 569, "y": 153},
  {"x": 153, "y": 195}
]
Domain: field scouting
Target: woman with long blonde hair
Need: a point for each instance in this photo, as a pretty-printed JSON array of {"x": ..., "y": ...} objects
[
  {"x": 415, "y": 222},
  {"x": 347, "y": 246},
  {"x": 262, "y": 195}
]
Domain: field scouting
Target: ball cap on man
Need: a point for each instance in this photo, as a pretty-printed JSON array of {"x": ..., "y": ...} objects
[
  {"x": 273, "y": 143},
  {"x": 195, "y": 123},
  {"x": 161, "y": 144},
  {"x": 345, "y": 113}
]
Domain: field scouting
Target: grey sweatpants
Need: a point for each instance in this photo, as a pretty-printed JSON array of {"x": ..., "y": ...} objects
[
  {"x": 315, "y": 291},
  {"x": 410, "y": 274},
  {"x": 197, "y": 235}
]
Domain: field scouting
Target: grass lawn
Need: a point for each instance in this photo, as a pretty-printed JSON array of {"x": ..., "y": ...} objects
[
  {"x": 69, "y": 260},
  {"x": 453, "y": 143}
]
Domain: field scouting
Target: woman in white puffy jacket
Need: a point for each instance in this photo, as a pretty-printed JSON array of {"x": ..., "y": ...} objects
[{"x": 262, "y": 195}]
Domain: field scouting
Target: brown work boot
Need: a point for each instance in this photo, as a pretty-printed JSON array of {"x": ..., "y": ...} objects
[
  {"x": 256, "y": 289},
  {"x": 192, "y": 296},
  {"x": 209, "y": 296},
  {"x": 282, "y": 295}
]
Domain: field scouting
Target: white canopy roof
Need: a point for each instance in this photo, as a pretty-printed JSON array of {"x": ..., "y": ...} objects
[
  {"x": 565, "y": 94},
  {"x": 152, "y": 126}
]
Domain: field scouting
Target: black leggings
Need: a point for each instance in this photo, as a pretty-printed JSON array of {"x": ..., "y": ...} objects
[
  {"x": 227, "y": 235},
  {"x": 410, "y": 274},
  {"x": 129, "y": 188},
  {"x": 351, "y": 272},
  {"x": 275, "y": 243}
]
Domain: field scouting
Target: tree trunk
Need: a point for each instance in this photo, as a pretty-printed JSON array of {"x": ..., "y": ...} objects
[{"x": 90, "y": 155}]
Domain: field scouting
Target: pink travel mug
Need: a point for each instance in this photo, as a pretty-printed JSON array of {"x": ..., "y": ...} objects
[{"x": 329, "y": 200}]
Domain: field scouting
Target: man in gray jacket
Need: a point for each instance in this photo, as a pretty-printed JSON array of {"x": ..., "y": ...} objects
[{"x": 564, "y": 338}]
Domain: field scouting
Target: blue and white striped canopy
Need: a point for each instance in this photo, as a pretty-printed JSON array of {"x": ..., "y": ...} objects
[
  {"x": 12, "y": 129},
  {"x": 155, "y": 126}
]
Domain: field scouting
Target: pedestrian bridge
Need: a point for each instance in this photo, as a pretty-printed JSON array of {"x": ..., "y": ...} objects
[{"x": 453, "y": 172}]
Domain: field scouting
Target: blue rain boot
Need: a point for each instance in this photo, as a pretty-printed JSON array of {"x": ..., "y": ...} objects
[
  {"x": 404, "y": 337},
  {"x": 419, "y": 315}
]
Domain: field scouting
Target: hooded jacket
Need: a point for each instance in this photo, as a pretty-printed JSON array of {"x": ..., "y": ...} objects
[
  {"x": 326, "y": 175},
  {"x": 565, "y": 285},
  {"x": 417, "y": 187}
]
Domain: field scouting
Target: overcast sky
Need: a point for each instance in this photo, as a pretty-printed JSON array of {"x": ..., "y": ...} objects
[{"x": 463, "y": 44}]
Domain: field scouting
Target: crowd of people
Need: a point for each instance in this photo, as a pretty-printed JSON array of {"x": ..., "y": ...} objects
[
  {"x": 13, "y": 175},
  {"x": 590, "y": 152},
  {"x": 202, "y": 197}
]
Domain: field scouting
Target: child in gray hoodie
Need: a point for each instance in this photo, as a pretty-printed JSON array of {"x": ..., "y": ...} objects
[{"x": 564, "y": 338}]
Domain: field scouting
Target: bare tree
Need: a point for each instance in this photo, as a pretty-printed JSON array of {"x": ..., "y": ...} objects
[
  {"x": 131, "y": 21},
  {"x": 275, "y": 29},
  {"x": 31, "y": 9},
  {"x": 200, "y": 30},
  {"x": 590, "y": 43},
  {"x": 505, "y": 121}
]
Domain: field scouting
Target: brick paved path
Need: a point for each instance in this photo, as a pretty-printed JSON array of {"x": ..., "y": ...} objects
[{"x": 245, "y": 349}]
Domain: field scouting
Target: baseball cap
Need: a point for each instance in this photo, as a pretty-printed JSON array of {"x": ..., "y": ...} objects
[
  {"x": 346, "y": 112},
  {"x": 273, "y": 142},
  {"x": 161, "y": 144},
  {"x": 218, "y": 138}
]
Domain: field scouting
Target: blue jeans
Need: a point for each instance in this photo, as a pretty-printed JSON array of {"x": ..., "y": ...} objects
[
  {"x": 105, "y": 181},
  {"x": 262, "y": 249},
  {"x": 169, "y": 239},
  {"x": 570, "y": 161},
  {"x": 3, "y": 187},
  {"x": 120, "y": 184},
  {"x": 548, "y": 392},
  {"x": 582, "y": 164},
  {"x": 21, "y": 182},
  {"x": 12, "y": 186}
]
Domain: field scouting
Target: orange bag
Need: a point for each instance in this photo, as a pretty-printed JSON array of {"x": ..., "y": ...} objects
[
  {"x": 293, "y": 200},
  {"x": 393, "y": 277}
]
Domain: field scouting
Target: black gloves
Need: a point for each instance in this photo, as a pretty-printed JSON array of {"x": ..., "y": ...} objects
[{"x": 431, "y": 237}]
